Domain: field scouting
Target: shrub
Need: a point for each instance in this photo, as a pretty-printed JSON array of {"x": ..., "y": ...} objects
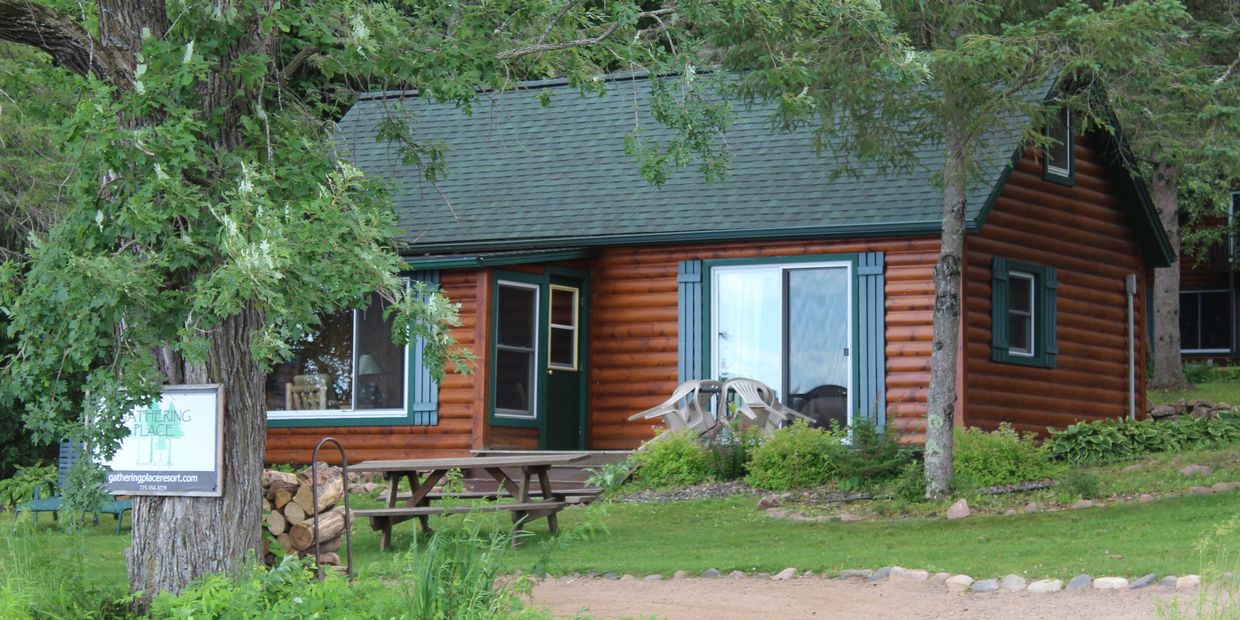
[
  {"x": 1110, "y": 440},
  {"x": 875, "y": 457},
  {"x": 1078, "y": 484},
  {"x": 730, "y": 452},
  {"x": 674, "y": 458},
  {"x": 1001, "y": 457},
  {"x": 910, "y": 485},
  {"x": 609, "y": 477},
  {"x": 20, "y": 488},
  {"x": 1197, "y": 373},
  {"x": 796, "y": 456}
]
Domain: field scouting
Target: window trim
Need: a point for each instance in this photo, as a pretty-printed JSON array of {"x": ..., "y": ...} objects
[
  {"x": 1045, "y": 288},
  {"x": 1200, "y": 291},
  {"x": 511, "y": 416},
  {"x": 709, "y": 319},
  {"x": 1056, "y": 174},
  {"x": 302, "y": 418}
]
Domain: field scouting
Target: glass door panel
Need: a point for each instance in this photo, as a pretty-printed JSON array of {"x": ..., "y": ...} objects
[
  {"x": 748, "y": 331},
  {"x": 818, "y": 369}
]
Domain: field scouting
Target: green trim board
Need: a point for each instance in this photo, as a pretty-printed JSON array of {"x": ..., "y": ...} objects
[
  {"x": 1043, "y": 323},
  {"x": 421, "y": 389},
  {"x": 540, "y": 375},
  {"x": 498, "y": 259}
]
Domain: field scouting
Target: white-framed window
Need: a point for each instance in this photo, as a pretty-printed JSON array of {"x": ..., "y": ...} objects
[
  {"x": 790, "y": 326},
  {"x": 1021, "y": 314},
  {"x": 1205, "y": 321},
  {"x": 516, "y": 350},
  {"x": 562, "y": 322},
  {"x": 1058, "y": 155},
  {"x": 347, "y": 366}
]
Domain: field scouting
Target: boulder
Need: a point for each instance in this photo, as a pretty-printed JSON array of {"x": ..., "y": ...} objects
[
  {"x": 1169, "y": 581},
  {"x": 851, "y": 518},
  {"x": 907, "y": 575},
  {"x": 1202, "y": 412},
  {"x": 1014, "y": 583},
  {"x": 736, "y": 574},
  {"x": 1195, "y": 470},
  {"x": 1187, "y": 582},
  {"x": 958, "y": 510},
  {"x": 938, "y": 579},
  {"x": 959, "y": 583},
  {"x": 1081, "y": 503},
  {"x": 1200, "y": 490},
  {"x": 880, "y": 574},
  {"x": 855, "y": 573},
  {"x": 768, "y": 501},
  {"x": 1163, "y": 411},
  {"x": 986, "y": 585},
  {"x": 654, "y": 578},
  {"x": 1145, "y": 498},
  {"x": 680, "y": 574},
  {"x": 786, "y": 574},
  {"x": 1045, "y": 586},
  {"x": 1223, "y": 487},
  {"x": 1079, "y": 582},
  {"x": 711, "y": 573},
  {"x": 1032, "y": 507},
  {"x": 1142, "y": 582},
  {"x": 1110, "y": 583}
]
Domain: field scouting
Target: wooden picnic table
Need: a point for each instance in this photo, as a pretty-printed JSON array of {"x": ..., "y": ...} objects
[{"x": 424, "y": 474}]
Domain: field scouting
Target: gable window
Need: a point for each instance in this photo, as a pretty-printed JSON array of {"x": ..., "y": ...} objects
[
  {"x": 347, "y": 365},
  {"x": 1057, "y": 156},
  {"x": 1023, "y": 298},
  {"x": 1205, "y": 321}
]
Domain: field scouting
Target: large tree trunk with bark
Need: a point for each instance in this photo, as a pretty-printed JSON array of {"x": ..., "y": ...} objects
[
  {"x": 946, "y": 346},
  {"x": 178, "y": 539},
  {"x": 1168, "y": 366}
]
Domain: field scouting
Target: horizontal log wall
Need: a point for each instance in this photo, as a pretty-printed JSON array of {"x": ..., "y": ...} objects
[
  {"x": 458, "y": 408},
  {"x": 1086, "y": 234},
  {"x": 633, "y": 328}
]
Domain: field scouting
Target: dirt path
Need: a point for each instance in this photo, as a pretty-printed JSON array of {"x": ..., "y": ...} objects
[{"x": 749, "y": 598}]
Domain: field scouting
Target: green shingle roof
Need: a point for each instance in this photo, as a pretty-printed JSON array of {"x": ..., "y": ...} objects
[{"x": 521, "y": 175}]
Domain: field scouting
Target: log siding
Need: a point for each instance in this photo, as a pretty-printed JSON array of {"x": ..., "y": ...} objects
[{"x": 1085, "y": 233}]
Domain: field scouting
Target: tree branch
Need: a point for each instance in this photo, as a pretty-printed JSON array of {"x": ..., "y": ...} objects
[
  {"x": 585, "y": 42},
  {"x": 69, "y": 45}
]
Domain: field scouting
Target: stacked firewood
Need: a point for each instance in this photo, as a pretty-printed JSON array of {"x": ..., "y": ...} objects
[{"x": 289, "y": 509}]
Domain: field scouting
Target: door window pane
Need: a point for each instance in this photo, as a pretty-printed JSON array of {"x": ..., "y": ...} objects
[
  {"x": 563, "y": 328},
  {"x": 748, "y": 316},
  {"x": 817, "y": 366},
  {"x": 516, "y": 349}
]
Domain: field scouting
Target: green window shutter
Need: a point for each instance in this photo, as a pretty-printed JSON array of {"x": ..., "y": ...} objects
[
  {"x": 689, "y": 309},
  {"x": 871, "y": 336},
  {"x": 1050, "y": 344},
  {"x": 998, "y": 310},
  {"x": 423, "y": 396}
]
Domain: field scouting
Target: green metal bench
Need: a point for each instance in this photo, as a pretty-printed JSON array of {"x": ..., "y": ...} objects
[{"x": 54, "y": 503}]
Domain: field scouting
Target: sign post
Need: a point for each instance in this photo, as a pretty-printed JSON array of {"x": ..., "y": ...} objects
[{"x": 175, "y": 446}]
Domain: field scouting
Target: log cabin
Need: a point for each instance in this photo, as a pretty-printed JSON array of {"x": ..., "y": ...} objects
[{"x": 587, "y": 294}]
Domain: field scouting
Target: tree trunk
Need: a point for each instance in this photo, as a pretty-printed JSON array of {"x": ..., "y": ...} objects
[
  {"x": 942, "y": 398},
  {"x": 178, "y": 539},
  {"x": 1168, "y": 366}
]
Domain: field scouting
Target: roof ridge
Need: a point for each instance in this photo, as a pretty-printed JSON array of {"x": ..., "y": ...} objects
[{"x": 524, "y": 85}]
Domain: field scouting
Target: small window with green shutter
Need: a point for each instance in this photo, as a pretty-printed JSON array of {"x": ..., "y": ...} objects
[{"x": 1023, "y": 298}]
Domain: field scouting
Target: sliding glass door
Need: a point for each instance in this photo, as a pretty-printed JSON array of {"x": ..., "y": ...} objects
[{"x": 790, "y": 327}]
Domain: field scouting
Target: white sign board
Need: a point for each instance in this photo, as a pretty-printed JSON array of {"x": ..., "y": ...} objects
[{"x": 174, "y": 447}]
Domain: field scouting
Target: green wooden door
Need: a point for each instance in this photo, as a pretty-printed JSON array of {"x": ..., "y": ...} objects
[{"x": 565, "y": 364}]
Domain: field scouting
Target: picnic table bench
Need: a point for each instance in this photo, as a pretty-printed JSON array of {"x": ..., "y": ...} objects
[{"x": 424, "y": 474}]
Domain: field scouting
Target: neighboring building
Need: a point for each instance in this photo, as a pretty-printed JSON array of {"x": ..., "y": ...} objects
[
  {"x": 588, "y": 294},
  {"x": 1208, "y": 316}
]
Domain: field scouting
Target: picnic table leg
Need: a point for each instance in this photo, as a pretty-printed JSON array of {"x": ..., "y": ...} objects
[
  {"x": 544, "y": 482},
  {"x": 414, "y": 486},
  {"x": 385, "y": 524}
]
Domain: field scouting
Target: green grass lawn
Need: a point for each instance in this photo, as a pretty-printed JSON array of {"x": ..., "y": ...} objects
[{"x": 1213, "y": 391}]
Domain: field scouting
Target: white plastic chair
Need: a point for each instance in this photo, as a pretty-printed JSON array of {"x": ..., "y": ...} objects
[
  {"x": 688, "y": 407},
  {"x": 756, "y": 401}
]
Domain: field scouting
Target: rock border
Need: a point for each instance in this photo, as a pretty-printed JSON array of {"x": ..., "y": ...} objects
[{"x": 955, "y": 583}]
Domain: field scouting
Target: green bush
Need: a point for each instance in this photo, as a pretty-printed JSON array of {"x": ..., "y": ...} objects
[
  {"x": 20, "y": 488},
  {"x": 910, "y": 485},
  {"x": 1111, "y": 440},
  {"x": 985, "y": 459},
  {"x": 1197, "y": 373},
  {"x": 875, "y": 457},
  {"x": 454, "y": 576},
  {"x": 1078, "y": 484},
  {"x": 609, "y": 477},
  {"x": 796, "y": 456},
  {"x": 674, "y": 458},
  {"x": 729, "y": 453}
]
